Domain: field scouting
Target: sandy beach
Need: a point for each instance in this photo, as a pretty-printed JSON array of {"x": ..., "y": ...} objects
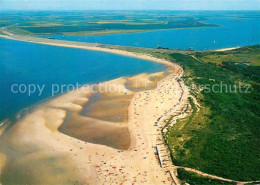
[
  {"x": 226, "y": 49},
  {"x": 59, "y": 144},
  {"x": 81, "y": 45},
  {"x": 85, "y": 100}
]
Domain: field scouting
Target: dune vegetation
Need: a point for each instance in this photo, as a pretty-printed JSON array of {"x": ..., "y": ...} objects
[{"x": 222, "y": 137}]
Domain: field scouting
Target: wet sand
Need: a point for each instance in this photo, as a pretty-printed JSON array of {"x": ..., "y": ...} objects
[
  {"x": 57, "y": 144},
  {"x": 103, "y": 120},
  {"x": 98, "y": 126},
  {"x": 40, "y": 151}
]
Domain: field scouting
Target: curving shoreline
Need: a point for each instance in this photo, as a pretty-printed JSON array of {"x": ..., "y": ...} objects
[
  {"x": 81, "y": 45},
  {"x": 94, "y": 163},
  {"x": 144, "y": 109}
]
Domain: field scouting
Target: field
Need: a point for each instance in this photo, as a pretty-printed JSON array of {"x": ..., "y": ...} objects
[{"x": 98, "y": 22}]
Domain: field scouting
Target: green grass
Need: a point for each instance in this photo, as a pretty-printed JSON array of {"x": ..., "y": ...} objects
[
  {"x": 97, "y": 27},
  {"x": 19, "y": 31},
  {"x": 103, "y": 32},
  {"x": 242, "y": 55},
  {"x": 225, "y": 140},
  {"x": 194, "y": 179},
  {"x": 222, "y": 138}
]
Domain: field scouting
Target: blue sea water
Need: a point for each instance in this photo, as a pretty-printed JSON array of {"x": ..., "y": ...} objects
[
  {"x": 29, "y": 63},
  {"x": 231, "y": 33}
]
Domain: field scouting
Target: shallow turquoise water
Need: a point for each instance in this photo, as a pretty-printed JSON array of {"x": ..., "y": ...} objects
[
  {"x": 233, "y": 32},
  {"x": 28, "y": 63}
]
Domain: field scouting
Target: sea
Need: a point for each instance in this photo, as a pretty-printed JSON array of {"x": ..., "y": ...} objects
[
  {"x": 233, "y": 29},
  {"x": 30, "y": 73},
  {"x": 23, "y": 64}
]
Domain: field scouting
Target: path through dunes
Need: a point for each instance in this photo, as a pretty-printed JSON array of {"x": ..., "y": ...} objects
[{"x": 209, "y": 175}]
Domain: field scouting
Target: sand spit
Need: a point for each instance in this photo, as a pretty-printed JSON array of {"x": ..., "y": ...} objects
[
  {"x": 226, "y": 49},
  {"x": 39, "y": 153},
  {"x": 56, "y": 144},
  {"x": 80, "y": 45}
]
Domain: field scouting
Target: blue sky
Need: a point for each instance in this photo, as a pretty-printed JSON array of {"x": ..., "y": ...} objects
[{"x": 129, "y": 4}]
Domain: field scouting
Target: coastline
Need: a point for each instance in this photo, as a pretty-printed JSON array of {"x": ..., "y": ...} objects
[
  {"x": 138, "y": 31},
  {"x": 143, "y": 137},
  {"x": 227, "y": 49},
  {"x": 87, "y": 46},
  {"x": 139, "y": 135},
  {"x": 96, "y": 163},
  {"x": 94, "y": 47}
]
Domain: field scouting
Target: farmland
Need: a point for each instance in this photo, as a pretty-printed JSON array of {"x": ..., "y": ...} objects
[{"x": 98, "y": 22}]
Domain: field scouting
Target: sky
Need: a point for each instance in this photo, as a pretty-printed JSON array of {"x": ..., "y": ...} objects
[{"x": 129, "y": 4}]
